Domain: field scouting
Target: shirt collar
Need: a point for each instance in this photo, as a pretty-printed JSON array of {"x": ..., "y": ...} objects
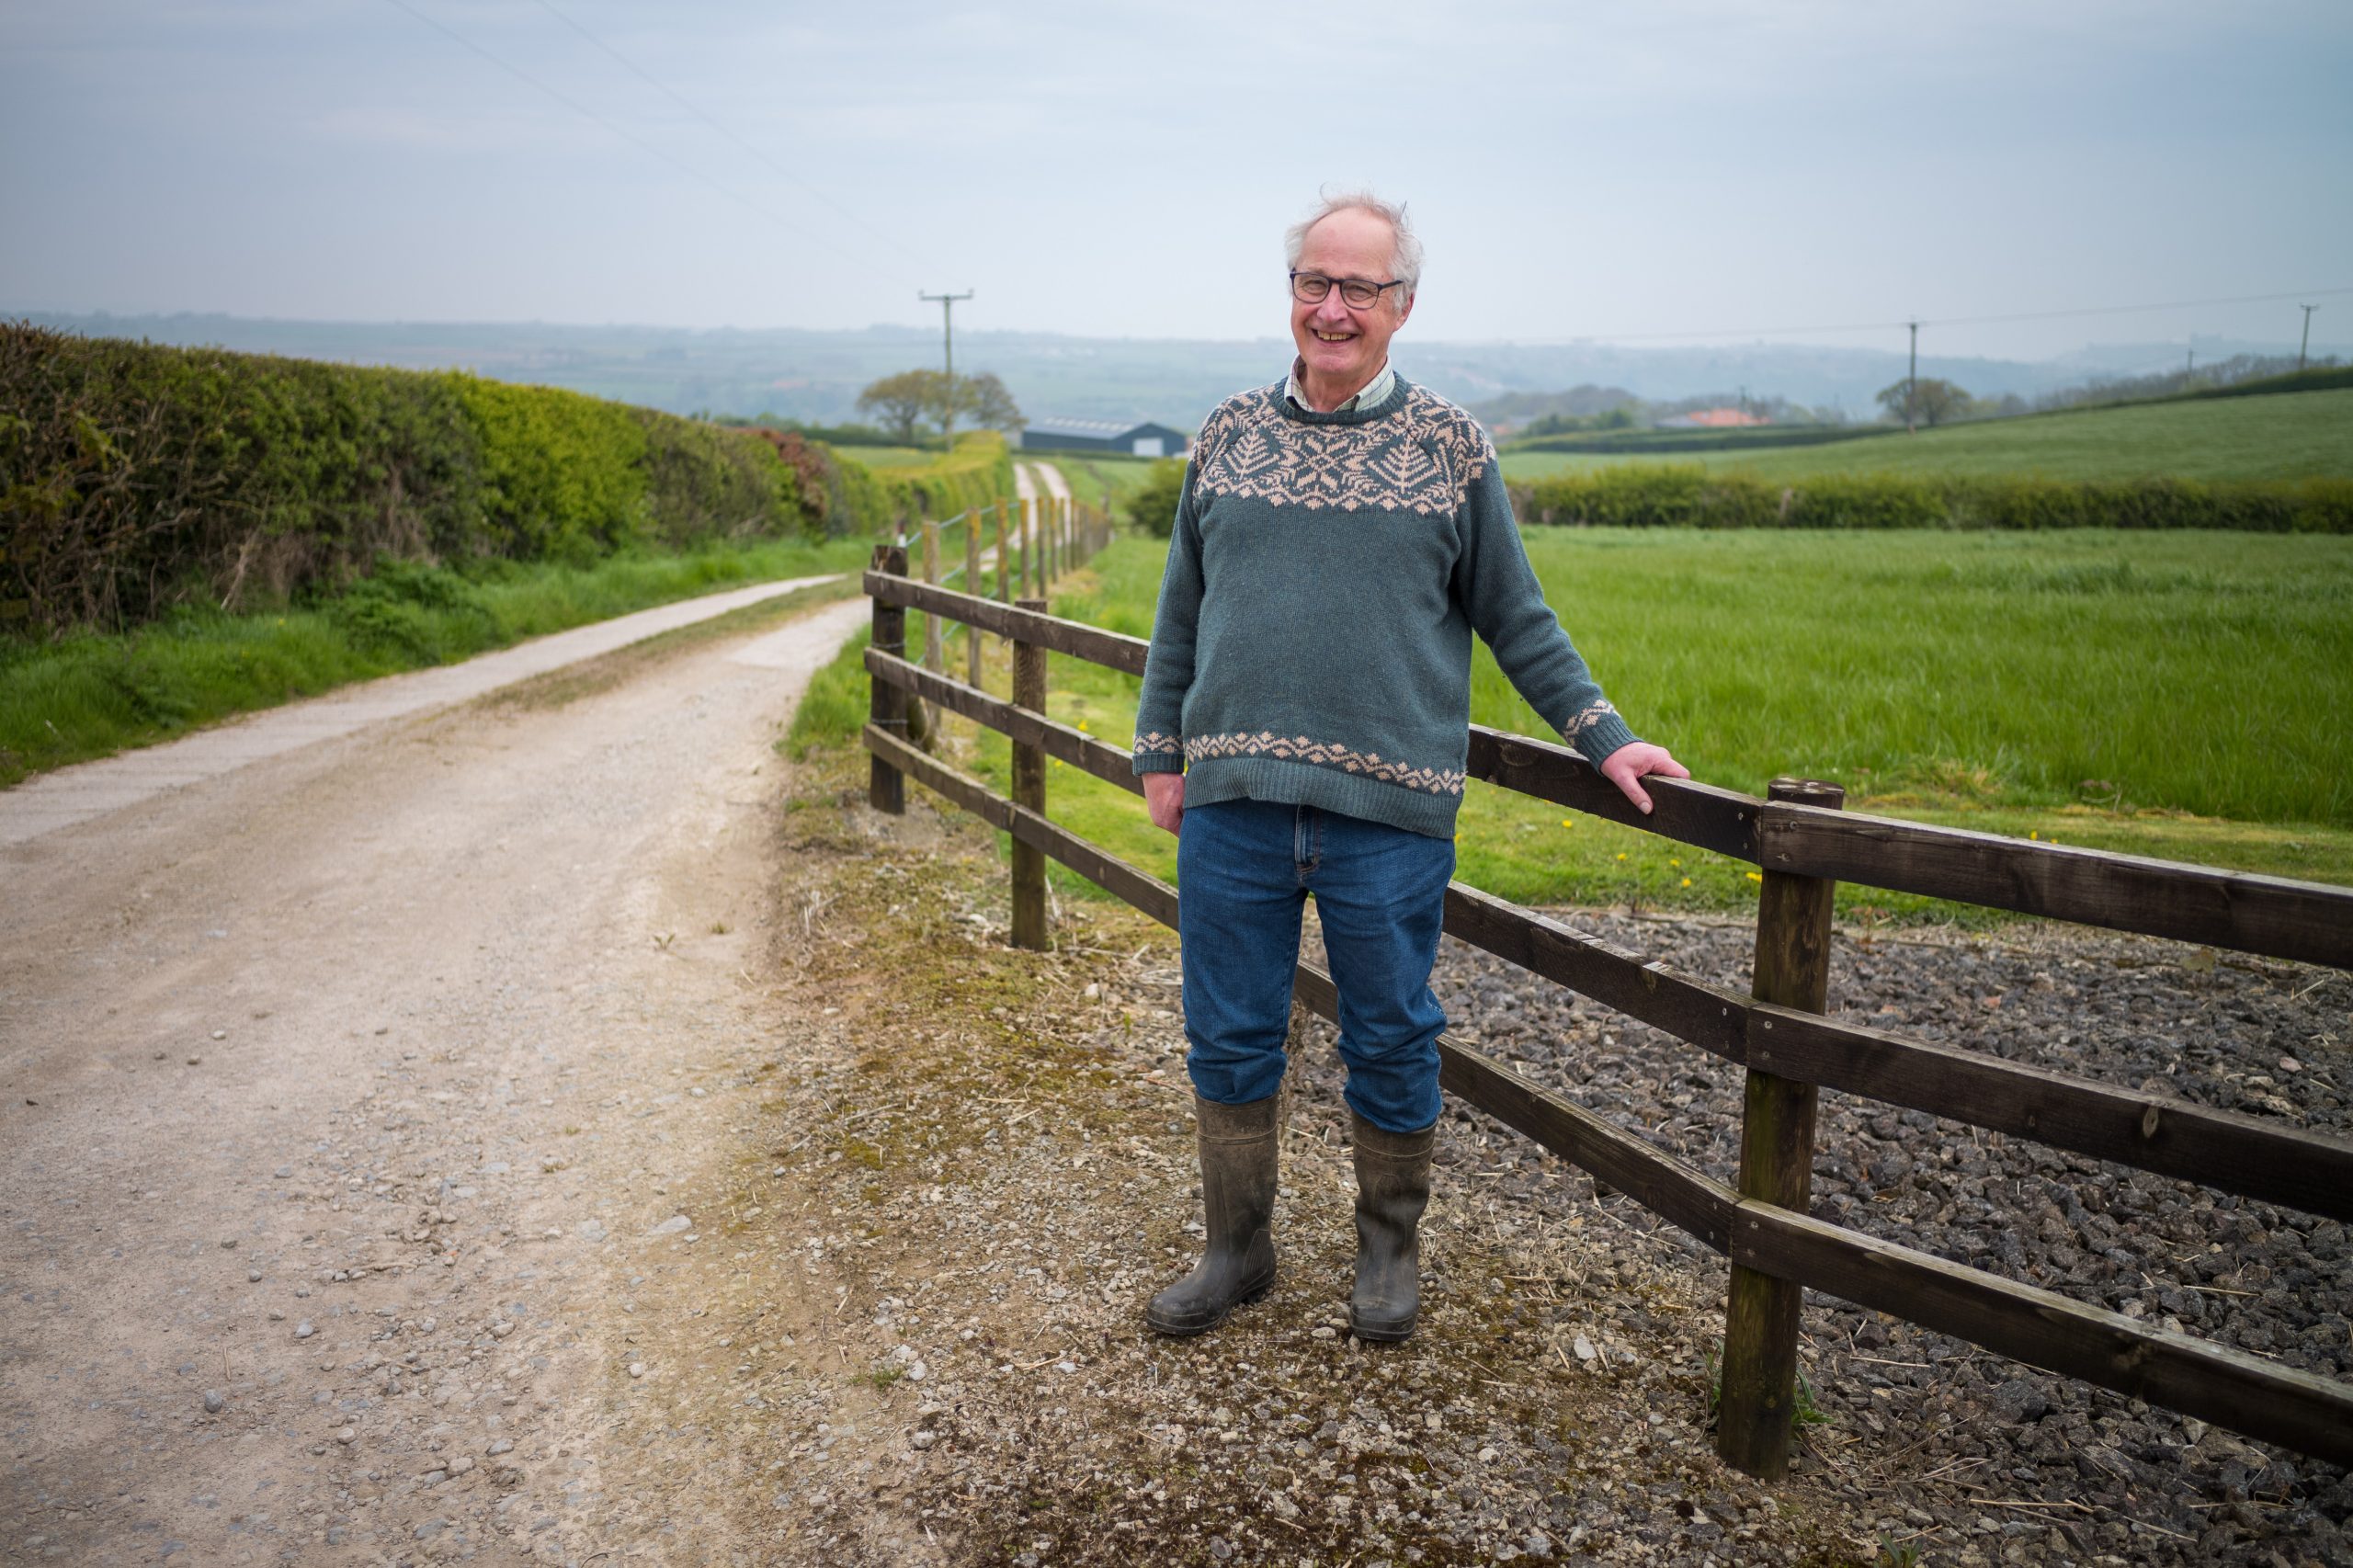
[{"x": 1370, "y": 395}]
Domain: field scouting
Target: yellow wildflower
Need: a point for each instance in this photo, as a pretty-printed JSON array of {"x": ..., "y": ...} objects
[
  {"x": 1686, "y": 882},
  {"x": 1756, "y": 876}
]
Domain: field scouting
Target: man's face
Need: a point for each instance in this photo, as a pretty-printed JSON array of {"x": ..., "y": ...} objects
[{"x": 1343, "y": 348}]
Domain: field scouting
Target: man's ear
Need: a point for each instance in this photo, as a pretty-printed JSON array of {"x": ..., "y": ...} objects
[{"x": 1405, "y": 307}]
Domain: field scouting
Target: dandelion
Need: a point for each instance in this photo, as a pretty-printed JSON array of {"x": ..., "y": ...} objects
[
  {"x": 2034, "y": 836},
  {"x": 1621, "y": 856},
  {"x": 1081, "y": 726},
  {"x": 1676, "y": 864},
  {"x": 1756, "y": 876},
  {"x": 1686, "y": 882},
  {"x": 1568, "y": 822}
]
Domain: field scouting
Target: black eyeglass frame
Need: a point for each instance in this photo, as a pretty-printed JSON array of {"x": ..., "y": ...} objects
[{"x": 1343, "y": 285}]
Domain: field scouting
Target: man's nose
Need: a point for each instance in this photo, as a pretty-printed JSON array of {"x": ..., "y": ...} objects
[{"x": 1332, "y": 307}]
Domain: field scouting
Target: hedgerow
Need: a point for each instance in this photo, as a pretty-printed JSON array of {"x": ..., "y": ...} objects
[
  {"x": 135, "y": 478},
  {"x": 1645, "y": 497}
]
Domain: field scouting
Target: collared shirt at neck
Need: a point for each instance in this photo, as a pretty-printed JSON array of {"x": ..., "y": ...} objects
[{"x": 1367, "y": 396}]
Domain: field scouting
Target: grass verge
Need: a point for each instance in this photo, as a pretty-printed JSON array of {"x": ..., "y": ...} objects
[{"x": 90, "y": 696}]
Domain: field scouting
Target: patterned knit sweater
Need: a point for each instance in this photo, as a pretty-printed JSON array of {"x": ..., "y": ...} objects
[{"x": 1312, "y": 643}]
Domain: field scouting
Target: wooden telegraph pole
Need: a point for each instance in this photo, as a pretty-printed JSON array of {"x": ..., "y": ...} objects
[{"x": 948, "y": 342}]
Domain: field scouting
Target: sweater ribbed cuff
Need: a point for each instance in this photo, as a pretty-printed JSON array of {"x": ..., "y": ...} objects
[
  {"x": 1601, "y": 737},
  {"x": 1160, "y": 762}
]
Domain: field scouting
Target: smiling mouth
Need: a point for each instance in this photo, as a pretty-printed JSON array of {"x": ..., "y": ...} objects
[{"x": 1334, "y": 337}]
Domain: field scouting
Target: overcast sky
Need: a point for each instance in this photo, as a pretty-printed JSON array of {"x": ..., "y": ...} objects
[{"x": 1637, "y": 168}]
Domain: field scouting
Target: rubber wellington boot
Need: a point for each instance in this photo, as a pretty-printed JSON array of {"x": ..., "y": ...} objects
[
  {"x": 1237, "y": 1144},
  {"x": 1392, "y": 1188}
]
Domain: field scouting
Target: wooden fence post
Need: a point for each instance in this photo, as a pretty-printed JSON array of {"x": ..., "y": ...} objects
[
  {"x": 1029, "y": 790},
  {"x": 977, "y": 588},
  {"x": 1022, "y": 550},
  {"x": 931, "y": 652},
  {"x": 886, "y": 786},
  {"x": 1756, "y": 1411},
  {"x": 1003, "y": 555}
]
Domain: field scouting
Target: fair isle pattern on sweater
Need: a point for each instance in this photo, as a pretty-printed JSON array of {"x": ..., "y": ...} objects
[
  {"x": 1324, "y": 754},
  {"x": 1586, "y": 719},
  {"x": 1425, "y": 464}
]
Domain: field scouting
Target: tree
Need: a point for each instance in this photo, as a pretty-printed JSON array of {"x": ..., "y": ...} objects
[
  {"x": 903, "y": 400},
  {"x": 1931, "y": 402},
  {"x": 920, "y": 397},
  {"x": 984, "y": 401}
]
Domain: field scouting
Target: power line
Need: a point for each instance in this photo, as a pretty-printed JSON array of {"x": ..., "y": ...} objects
[
  {"x": 675, "y": 98},
  {"x": 1957, "y": 321},
  {"x": 631, "y": 137}
]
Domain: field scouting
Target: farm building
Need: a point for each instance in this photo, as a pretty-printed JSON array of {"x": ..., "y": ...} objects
[{"x": 1145, "y": 440}]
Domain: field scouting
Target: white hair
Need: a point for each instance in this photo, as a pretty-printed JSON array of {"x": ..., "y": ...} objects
[{"x": 1404, "y": 256}]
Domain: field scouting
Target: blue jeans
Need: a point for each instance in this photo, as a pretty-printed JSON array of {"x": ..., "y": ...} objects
[{"x": 1243, "y": 871}]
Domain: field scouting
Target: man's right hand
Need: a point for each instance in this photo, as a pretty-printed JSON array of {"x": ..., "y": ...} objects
[{"x": 1163, "y": 796}]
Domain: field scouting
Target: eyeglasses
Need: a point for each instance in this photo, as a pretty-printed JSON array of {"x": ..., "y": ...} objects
[{"x": 1314, "y": 287}]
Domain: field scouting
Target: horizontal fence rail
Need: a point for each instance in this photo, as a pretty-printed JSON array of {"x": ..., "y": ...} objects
[{"x": 1789, "y": 1050}]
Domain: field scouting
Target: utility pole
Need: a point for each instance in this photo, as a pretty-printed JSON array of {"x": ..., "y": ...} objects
[
  {"x": 2307, "y": 342},
  {"x": 948, "y": 339},
  {"x": 1912, "y": 379}
]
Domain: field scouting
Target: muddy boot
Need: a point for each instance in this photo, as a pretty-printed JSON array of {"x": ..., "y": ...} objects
[
  {"x": 1237, "y": 1143},
  {"x": 1392, "y": 1188}
]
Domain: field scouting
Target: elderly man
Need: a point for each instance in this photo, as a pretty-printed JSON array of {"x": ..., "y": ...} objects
[{"x": 1303, "y": 729}]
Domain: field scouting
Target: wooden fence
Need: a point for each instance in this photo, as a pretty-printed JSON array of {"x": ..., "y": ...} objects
[{"x": 1804, "y": 844}]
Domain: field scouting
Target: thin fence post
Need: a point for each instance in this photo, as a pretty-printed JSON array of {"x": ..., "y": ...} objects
[
  {"x": 1023, "y": 551},
  {"x": 1758, "y": 1407},
  {"x": 1003, "y": 555},
  {"x": 886, "y": 786},
  {"x": 1044, "y": 573},
  {"x": 977, "y": 588},
  {"x": 1029, "y": 790},
  {"x": 932, "y": 660}
]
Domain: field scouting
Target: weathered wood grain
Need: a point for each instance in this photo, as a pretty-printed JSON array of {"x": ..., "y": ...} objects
[
  {"x": 2270, "y": 916},
  {"x": 1708, "y": 1016},
  {"x": 2246, "y": 1155},
  {"x": 1701, "y": 814},
  {"x": 2231, "y": 1388},
  {"x": 886, "y": 707},
  {"x": 1109, "y": 649},
  {"x": 1108, "y": 763}
]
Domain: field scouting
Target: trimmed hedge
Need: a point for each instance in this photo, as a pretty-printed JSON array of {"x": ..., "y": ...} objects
[
  {"x": 849, "y": 497},
  {"x": 975, "y": 474},
  {"x": 134, "y": 478},
  {"x": 1643, "y": 496}
]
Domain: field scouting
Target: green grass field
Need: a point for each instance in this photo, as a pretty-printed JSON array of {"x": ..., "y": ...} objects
[
  {"x": 2174, "y": 695},
  {"x": 92, "y": 695},
  {"x": 2293, "y": 436}
]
